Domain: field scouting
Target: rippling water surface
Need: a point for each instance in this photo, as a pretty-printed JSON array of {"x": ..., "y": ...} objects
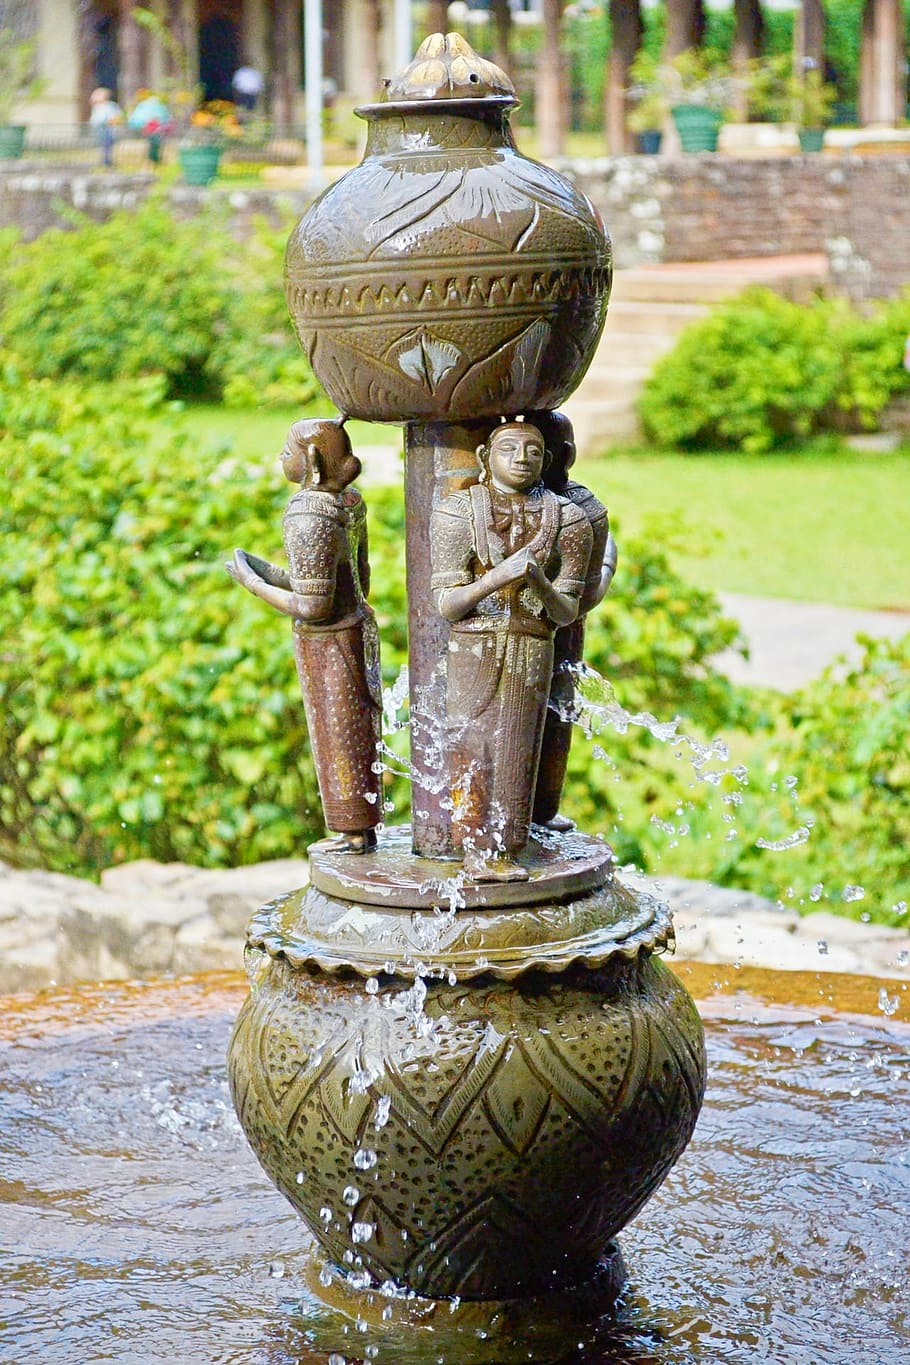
[{"x": 136, "y": 1227}]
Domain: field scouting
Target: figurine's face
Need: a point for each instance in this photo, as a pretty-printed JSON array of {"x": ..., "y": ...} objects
[{"x": 516, "y": 458}]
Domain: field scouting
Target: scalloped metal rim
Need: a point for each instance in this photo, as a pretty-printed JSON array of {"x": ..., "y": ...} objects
[{"x": 592, "y": 950}]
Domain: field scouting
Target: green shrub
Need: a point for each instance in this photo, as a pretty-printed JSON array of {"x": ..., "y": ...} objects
[
  {"x": 839, "y": 766},
  {"x": 761, "y": 370},
  {"x": 151, "y": 708},
  {"x": 754, "y": 372},
  {"x": 143, "y": 294}
]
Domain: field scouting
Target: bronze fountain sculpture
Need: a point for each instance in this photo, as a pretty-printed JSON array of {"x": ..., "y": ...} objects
[{"x": 461, "y": 1059}]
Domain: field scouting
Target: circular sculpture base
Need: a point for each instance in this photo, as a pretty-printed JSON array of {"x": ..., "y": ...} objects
[
  {"x": 466, "y": 1123},
  {"x": 313, "y": 928},
  {"x": 558, "y": 865}
]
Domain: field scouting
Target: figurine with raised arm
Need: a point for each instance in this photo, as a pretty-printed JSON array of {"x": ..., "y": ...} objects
[
  {"x": 335, "y": 639},
  {"x": 510, "y": 560},
  {"x": 569, "y": 641}
]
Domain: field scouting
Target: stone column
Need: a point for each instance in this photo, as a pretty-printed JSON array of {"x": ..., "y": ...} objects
[
  {"x": 502, "y": 32},
  {"x": 55, "y": 28},
  {"x": 550, "y": 83},
  {"x": 440, "y": 458},
  {"x": 285, "y": 62},
  {"x": 883, "y": 80},
  {"x": 255, "y": 35},
  {"x": 685, "y": 26},
  {"x": 809, "y": 37},
  {"x": 131, "y": 54},
  {"x": 437, "y": 17},
  {"x": 371, "y": 18},
  {"x": 627, "y": 29},
  {"x": 748, "y": 40}
]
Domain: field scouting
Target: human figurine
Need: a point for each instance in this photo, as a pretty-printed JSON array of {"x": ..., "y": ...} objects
[
  {"x": 509, "y": 565},
  {"x": 568, "y": 643},
  {"x": 336, "y": 644}
]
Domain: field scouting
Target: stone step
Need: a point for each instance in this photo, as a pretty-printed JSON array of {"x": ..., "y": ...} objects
[
  {"x": 609, "y": 382},
  {"x": 630, "y": 349},
  {"x": 650, "y": 306},
  {"x": 711, "y": 281},
  {"x": 600, "y": 423},
  {"x": 640, "y": 315}
]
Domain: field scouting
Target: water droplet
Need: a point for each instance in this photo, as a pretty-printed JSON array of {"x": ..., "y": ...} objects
[
  {"x": 299, "y": 1177},
  {"x": 888, "y": 1004},
  {"x": 365, "y": 1159},
  {"x": 336, "y": 1359},
  {"x": 817, "y": 891},
  {"x": 853, "y": 893},
  {"x": 350, "y": 1194},
  {"x": 799, "y": 836},
  {"x": 325, "y": 1213},
  {"x": 900, "y": 909},
  {"x": 276, "y": 1270},
  {"x": 902, "y": 958},
  {"x": 362, "y": 1232},
  {"x": 387, "y": 1313},
  {"x": 383, "y": 1110},
  {"x": 372, "y": 986},
  {"x": 822, "y": 947},
  {"x": 325, "y": 1277}
]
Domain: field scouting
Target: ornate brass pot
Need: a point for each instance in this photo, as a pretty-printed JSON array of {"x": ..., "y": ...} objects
[
  {"x": 459, "y": 1133},
  {"x": 448, "y": 276}
]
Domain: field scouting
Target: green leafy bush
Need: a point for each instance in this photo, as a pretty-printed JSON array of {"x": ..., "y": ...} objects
[
  {"x": 148, "y": 707},
  {"x": 838, "y": 766},
  {"x": 761, "y": 370},
  {"x": 143, "y": 294}
]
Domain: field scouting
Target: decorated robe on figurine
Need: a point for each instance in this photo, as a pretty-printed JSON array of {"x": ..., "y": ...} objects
[{"x": 500, "y": 656}]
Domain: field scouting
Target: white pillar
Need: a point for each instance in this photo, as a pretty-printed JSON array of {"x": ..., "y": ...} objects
[
  {"x": 404, "y": 39},
  {"x": 312, "y": 75},
  {"x": 56, "y": 32}
]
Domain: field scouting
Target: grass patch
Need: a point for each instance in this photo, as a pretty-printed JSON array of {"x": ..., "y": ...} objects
[{"x": 824, "y": 525}]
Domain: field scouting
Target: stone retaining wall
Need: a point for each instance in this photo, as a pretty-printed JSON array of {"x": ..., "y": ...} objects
[
  {"x": 704, "y": 208},
  {"x": 659, "y": 209},
  {"x": 150, "y": 919}
]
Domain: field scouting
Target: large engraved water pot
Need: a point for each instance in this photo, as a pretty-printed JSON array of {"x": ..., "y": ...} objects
[{"x": 448, "y": 276}]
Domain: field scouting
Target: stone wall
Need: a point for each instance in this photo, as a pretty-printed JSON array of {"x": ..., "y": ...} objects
[
  {"x": 703, "y": 208},
  {"x": 659, "y": 209},
  {"x": 35, "y": 197}
]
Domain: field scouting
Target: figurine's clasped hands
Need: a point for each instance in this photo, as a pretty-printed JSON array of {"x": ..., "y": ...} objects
[{"x": 521, "y": 567}]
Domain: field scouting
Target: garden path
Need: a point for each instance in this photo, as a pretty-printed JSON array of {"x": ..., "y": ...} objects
[{"x": 792, "y": 642}]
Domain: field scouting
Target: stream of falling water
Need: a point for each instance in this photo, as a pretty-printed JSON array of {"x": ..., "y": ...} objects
[{"x": 596, "y": 712}]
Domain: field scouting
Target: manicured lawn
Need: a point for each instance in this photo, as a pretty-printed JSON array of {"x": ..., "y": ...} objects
[{"x": 821, "y": 525}]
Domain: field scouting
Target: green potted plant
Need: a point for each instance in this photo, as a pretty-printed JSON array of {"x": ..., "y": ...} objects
[
  {"x": 18, "y": 83},
  {"x": 200, "y": 147},
  {"x": 812, "y": 101},
  {"x": 699, "y": 89},
  {"x": 803, "y": 98},
  {"x": 201, "y": 128}
]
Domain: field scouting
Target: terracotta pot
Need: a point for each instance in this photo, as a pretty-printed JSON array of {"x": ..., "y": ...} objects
[
  {"x": 486, "y": 1138},
  {"x": 447, "y": 276}
]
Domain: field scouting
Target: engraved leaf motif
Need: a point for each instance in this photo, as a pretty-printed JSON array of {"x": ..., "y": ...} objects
[
  {"x": 427, "y": 359},
  {"x": 527, "y": 357}
]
